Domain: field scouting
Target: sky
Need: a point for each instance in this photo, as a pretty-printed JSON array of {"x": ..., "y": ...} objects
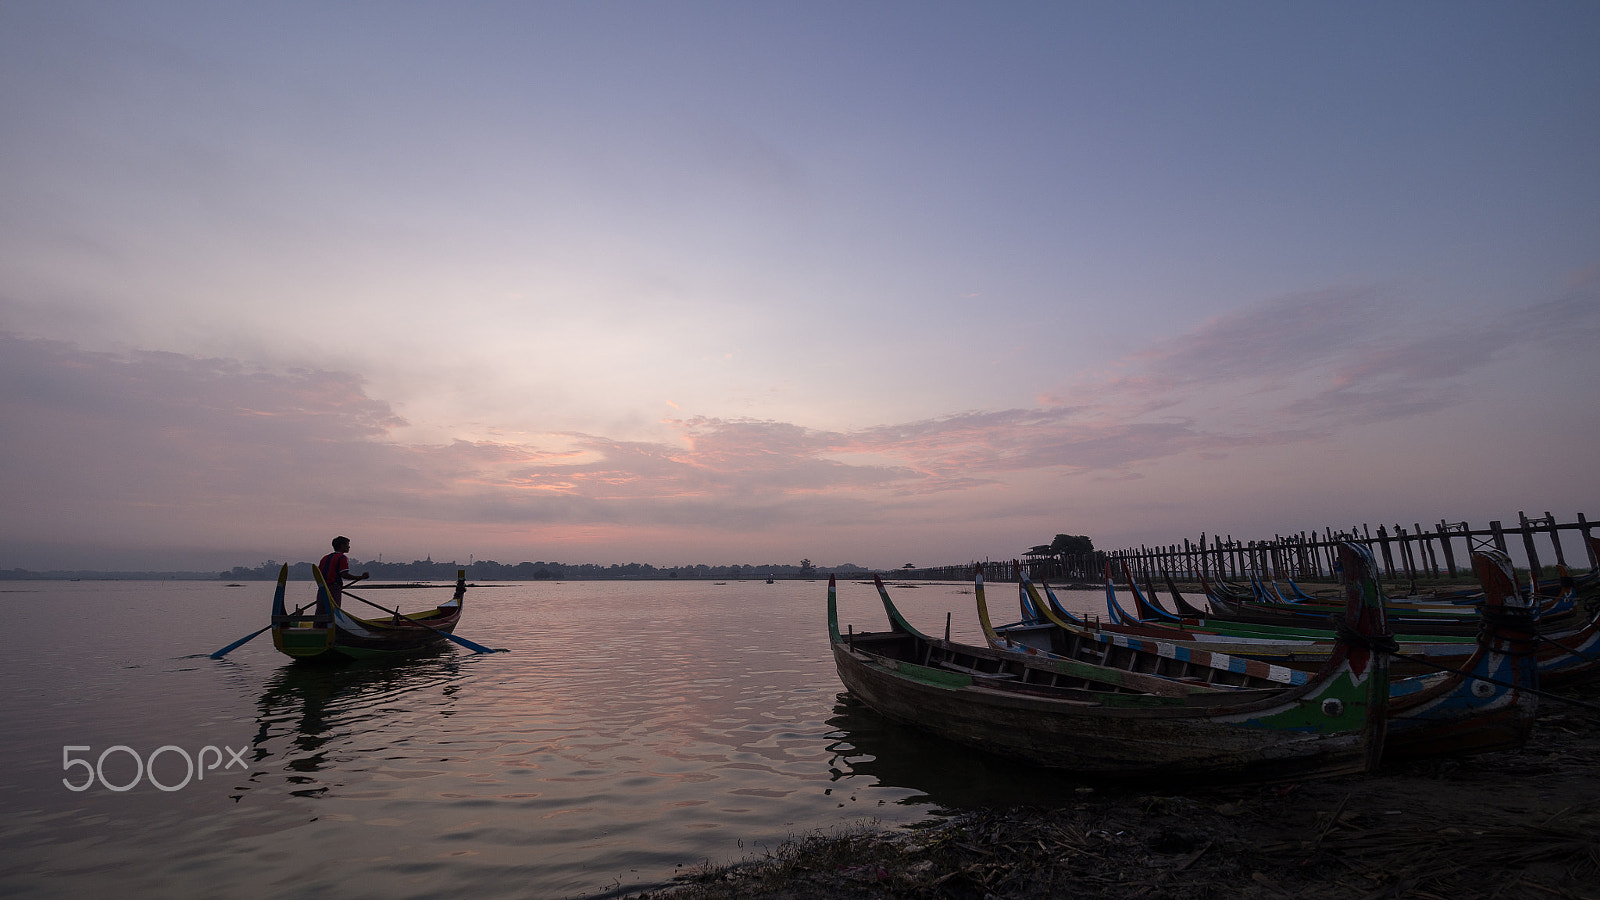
[{"x": 878, "y": 283}]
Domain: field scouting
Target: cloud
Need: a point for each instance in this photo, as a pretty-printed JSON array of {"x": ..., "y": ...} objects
[
  {"x": 1267, "y": 342},
  {"x": 1315, "y": 362},
  {"x": 182, "y": 446},
  {"x": 58, "y": 379},
  {"x": 955, "y": 448},
  {"x": 1389, "y": 378},
  {"x": 161, "y": 446},
  {"x": 1569, "y": 321},
  {"x": 120, "y": 443},
  {"x": 180, "y": 449},
  {"x": 1260, "y": 348}
]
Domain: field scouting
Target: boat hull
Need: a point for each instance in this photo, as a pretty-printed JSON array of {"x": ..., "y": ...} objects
[
  {"x": 1100, "y": 722},
  {"x": 330, "y": 633},
  {"x": 1292, "y": 736},
  {"x": 350, "y": 638}
]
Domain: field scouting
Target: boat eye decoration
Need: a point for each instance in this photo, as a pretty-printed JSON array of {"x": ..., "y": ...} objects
[
  {"x": 1482, "y": 689},
  {"x": 1333, "y": 707}
]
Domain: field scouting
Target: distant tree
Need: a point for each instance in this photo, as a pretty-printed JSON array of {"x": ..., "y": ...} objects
[
  {"x": 807, "y": 569},
  {"x": 1067, "y": 544}
]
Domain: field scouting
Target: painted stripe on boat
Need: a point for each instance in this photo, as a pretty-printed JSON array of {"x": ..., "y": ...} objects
[{"x": 1253, "y": 667}]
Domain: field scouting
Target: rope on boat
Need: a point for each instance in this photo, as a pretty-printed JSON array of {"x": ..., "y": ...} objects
[{"x": 1567, "y": 650}]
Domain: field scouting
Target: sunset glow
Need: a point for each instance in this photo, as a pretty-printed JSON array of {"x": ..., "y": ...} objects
[{"x": 711, "y": 283}]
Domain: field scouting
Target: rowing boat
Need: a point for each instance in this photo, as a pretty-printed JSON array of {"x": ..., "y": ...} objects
[
  {"x": 1105, "y": 722},
  {"x": 325, "y": 630}
]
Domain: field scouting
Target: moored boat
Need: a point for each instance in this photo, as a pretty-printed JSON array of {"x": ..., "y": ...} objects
[
  {"x": 1104, "y": 722},
  {"x": 1305, "y": 647},
  {"x": 1404, "y": 615},
  {"x": 1462, "y": 698},
  {"x": 1487, "y": 703},
  {"x": 1186, "y": 660}
]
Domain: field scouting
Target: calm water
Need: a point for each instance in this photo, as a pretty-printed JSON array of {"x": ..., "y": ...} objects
[{"x": 636, "y": 729}]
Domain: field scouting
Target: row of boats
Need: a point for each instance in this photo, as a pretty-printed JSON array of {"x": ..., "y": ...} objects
[{"x": 1262, "y": 685}]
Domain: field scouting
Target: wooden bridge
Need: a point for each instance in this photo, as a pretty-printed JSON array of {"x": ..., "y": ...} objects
[{"x": 1433, "y": 552}]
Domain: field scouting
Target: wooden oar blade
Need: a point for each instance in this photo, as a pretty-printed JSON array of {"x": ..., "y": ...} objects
[
  {"x": 239, "y": 643},
  {"x": 475, "y": 648}
]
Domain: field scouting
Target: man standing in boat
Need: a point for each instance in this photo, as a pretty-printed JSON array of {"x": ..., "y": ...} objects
[{"x": 336, "y": 568}]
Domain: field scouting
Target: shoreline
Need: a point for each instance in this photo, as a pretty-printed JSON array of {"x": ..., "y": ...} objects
[{"x": 1513, "y": 823}]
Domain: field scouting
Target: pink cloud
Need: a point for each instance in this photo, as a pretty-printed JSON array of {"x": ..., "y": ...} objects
[{"x": 178, "y": 448}]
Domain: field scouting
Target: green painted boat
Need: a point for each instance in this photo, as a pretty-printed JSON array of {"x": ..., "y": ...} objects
[{"x": 1127, "y": 723}]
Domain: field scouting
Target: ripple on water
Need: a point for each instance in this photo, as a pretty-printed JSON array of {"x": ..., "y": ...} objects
[{"x": 635, "y": 728}]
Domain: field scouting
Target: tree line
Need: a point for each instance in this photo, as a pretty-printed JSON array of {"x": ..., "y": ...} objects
[{"x": 489, "y": 570}]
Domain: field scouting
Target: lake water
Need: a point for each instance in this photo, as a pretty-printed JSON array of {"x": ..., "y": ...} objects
[{"x": 636, "y": 730}]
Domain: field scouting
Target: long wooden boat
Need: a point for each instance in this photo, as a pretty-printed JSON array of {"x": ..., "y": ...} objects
[
  {"x": 1049, "y": 628},
  {"x": 1568, "y": 631},
  {"x": 1132, "y": 648},
  {"x": 1428, "y": 617},
  {"x": 1456, "y": 702},
  {"x": 1489, "y": 702},
  {"x": 1146, "y": 610},
  {"x": 1295, "y": 618},
  {"x": 1185, "y": 609},
  {"x": 1109, "y": 723},
  {"x": 1552, "y": 613},
  {"x": 1569, "y": 656},
  {"x": 1264, "y": 612},
  {"x": 1568, "y": 641},
  {"x": 327, "y": 631},
  {"x": 1566, "y": 652}
]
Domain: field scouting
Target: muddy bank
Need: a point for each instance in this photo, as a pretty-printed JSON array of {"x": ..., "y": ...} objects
[{"x": 1515, "y": 824}]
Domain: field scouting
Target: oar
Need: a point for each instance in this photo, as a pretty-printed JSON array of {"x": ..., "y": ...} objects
[
  {"x": 250, "y": 637},
  {"x": 240, "y": 643},
  {"x": 277, "y": 608},
  {"x": 475, "y": 648}
]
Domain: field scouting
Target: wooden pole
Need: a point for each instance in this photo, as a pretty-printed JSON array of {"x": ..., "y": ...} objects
[
  {"x": 1427, "y": 549},
  {"x": 1449, "y": 554},
  {"x": 1388, "y": 558},
  {"x": 1527, "y": 544},
  {"x": 1555, "y": 538}
]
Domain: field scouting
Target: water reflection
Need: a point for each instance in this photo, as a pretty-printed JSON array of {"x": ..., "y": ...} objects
[
  {"x": 308, "y": 714},
  {"x": 947, "y": 775},
  {"x": 567, "y": 767}
]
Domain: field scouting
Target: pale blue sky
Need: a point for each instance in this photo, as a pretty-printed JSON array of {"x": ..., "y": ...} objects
[{"x": 676, "y": 282}]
